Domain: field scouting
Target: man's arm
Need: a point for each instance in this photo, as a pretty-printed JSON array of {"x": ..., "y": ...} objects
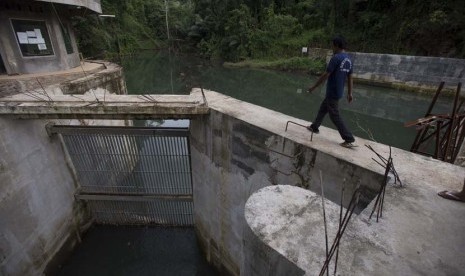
[
  {"x": 322, "y": 79},
  {"x": 350, "y": 84}
]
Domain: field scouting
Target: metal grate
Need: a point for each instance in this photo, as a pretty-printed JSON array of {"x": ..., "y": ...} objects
[
  {"x": 132, "y": 175},
  {"x": 121, "y": 210}
]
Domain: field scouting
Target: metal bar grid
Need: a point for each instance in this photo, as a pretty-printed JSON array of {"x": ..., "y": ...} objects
[
  {"x": 132, "y": 176},
  {"x": 142, "y": 212},
  {"x": 131, "y": 164}
]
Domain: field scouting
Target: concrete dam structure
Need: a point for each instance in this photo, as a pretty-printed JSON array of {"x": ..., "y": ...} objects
[
  {"x": 255, "y": 188},
  {"x": 404, "y": 72}
]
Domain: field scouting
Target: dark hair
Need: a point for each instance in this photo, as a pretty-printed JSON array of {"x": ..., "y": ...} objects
[{"x": 340, "y": 42}]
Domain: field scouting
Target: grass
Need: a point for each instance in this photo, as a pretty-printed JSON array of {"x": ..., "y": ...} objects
[{"x": 300, "y": 64}]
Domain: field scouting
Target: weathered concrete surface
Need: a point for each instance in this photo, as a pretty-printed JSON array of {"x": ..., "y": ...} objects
[
  {"x": 400, "y": 71},
  {"x": 39, "y": 216},
  {"x": 13, "y": 59},
  {"x": 409, "y": 240},
  {"x": 64, "y": 82},
  {"x": 237, "y": 149},
  {"x": 93, "y": 5},
  {"x": 99, "y": 105},
  {"x": 38, "y": 213},
  {"x": 103, "y": 84},
  {"x": 408, "y": 71},
  {"x": 232, "y": 158}
]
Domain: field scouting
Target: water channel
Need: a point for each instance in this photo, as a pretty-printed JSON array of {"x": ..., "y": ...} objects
[{"x": 377, "y": 113}]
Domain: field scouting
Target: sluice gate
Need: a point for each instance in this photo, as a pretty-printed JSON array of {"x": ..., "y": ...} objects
[{"x": 131, "y": 175}]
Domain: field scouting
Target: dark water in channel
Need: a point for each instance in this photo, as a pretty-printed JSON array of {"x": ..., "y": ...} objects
[
  {"x": 376, "y": 110},
  {"x": 141, "y": 251}
]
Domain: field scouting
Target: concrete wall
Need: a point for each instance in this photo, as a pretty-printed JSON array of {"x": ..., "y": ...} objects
[
  {"x": 39, "y": 217},
  {"x": 231, "y": 159},
  {"x": 407, "y": 72},
  {"x": 11, "y": 54},
  {"x": 411, "y": 71},
  {"x": 38, "y": 214}
]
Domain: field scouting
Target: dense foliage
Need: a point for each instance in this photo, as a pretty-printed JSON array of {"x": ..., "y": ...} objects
[{"x": 235, "y": 30}]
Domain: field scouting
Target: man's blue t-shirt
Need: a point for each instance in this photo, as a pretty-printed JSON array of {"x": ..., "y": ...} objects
[{"x": 339, "y": 67}]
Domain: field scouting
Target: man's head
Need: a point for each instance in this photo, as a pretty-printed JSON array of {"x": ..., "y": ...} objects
[{"x": 339, "y": 43}]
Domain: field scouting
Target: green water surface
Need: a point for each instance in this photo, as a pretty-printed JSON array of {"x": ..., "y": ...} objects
[{"x": 377, "y": 113}]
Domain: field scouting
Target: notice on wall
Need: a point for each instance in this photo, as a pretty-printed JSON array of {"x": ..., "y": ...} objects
[
  {"x": 32, "y": 40},
  {"x": 32, "y": 37},
  {"x": 42, "y": 46},
  {"x": 31, "y": 34},
  {"x": 38, "y": 33},
  {"x": 22, "y": 38}
]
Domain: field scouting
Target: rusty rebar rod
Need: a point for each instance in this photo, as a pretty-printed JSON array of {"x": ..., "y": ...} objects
[
  {"x": 288, "y": 122},
  {"x": 451, "y": 128},
  {"x": 385, "y": 162},
  {"x": 461, "y": 137},
  {"x": 44, "y": 91},
  {"x": 456, "y": 145},
  {"x": 345, "y": 221},
  {"x": 324, "y": 216},
  {"x": 340, "y": 223},
  {"x": 203, "y": 96},
  {"x": 416, "y": 143},
  {"x": 382, "y": 190}
]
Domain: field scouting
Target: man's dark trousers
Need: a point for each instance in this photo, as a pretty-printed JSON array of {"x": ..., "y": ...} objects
[{"x": 331, "y": 106}]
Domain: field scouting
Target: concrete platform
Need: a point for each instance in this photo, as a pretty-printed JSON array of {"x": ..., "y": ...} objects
[
  {"x": 419, "y": 234},
  {"x": 16, "y": 84},
  {"x": 86, "y": 67}
]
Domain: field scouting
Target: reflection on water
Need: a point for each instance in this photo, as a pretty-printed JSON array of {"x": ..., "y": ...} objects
[{"x": 376, "y": 112}]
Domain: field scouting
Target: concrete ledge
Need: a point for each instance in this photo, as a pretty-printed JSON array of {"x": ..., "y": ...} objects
[
  {"x": 101, "y": 106},
  {"x": 412, "y": 167},
  {"x": 240, "y": 147},
  {"x": 11, "y": 85}
]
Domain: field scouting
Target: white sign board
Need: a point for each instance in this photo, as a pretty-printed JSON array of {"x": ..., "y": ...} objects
[
  {"x": 31, "y": 34},
  {"x": 38, "y": 33},
  {"x": 22, "y": 38},
  {"x": 42, "y": 46}
]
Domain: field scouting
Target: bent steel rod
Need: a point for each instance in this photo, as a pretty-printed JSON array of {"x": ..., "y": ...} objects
[
  {"x": 350, "y": 210},
  {"x": 287, "y": 124},
  {"x": 324, "y": 217},
  {"x": 385, "y": 161},
  {"x": 379, "y": 197},
  {"x": 416, "y": 143},
  {"x": 340, "y": 223},
  {"x": 451, "y": 128}
]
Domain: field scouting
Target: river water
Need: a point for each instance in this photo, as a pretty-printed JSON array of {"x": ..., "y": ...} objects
[{"x": 377, "y": 113}]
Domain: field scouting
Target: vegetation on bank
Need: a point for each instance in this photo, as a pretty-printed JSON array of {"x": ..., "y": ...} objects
[
  {"x": 301, "y": 64},
  {"x": 272, "y": 32}
]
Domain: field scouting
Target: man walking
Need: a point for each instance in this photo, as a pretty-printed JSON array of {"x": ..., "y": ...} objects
[{"x": 339, "y": 69}]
